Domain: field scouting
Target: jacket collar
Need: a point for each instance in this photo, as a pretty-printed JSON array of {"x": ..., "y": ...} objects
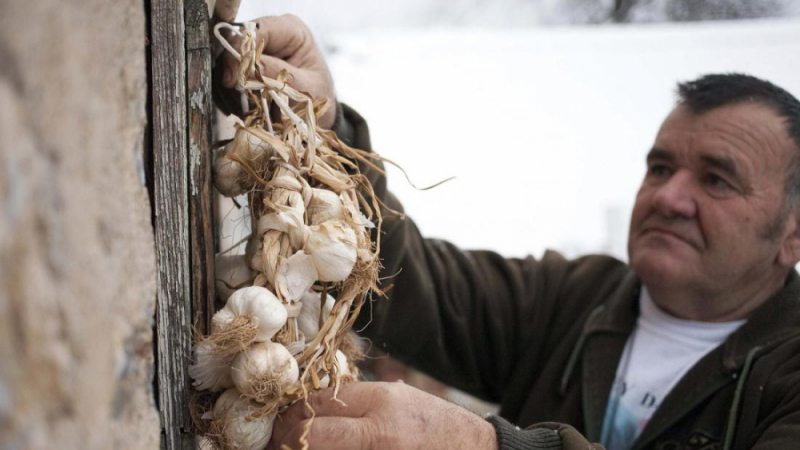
[
  {"x": 776, "y": 318},
  {"x": 621, "y": 310}
]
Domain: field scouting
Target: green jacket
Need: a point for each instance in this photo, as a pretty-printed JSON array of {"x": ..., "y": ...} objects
[{"x": 543, "y": 338}]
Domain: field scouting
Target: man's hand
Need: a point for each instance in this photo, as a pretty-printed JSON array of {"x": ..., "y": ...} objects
[
  {"x": 289, "y": 45},
  {"x": 383, "y": 416}
]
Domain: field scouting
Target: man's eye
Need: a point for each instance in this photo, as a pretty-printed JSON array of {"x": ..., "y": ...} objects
[
  {"x": 717, "y": 182},
  {"x": 659, "y": 170}
]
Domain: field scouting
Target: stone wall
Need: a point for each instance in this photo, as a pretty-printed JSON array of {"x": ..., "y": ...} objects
[{"x": 77, "y": 264}]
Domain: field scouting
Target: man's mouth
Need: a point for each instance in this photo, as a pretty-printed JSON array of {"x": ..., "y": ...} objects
[{"x": 671, "y": 234}]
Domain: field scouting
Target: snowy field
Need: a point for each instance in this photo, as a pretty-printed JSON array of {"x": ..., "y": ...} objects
[{"x": 545, "y": 129}]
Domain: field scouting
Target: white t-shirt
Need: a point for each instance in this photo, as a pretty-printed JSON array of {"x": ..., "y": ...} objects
[{"x": 659, "y": 352}]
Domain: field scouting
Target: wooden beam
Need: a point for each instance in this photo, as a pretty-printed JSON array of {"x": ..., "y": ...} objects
[
  {"x": 201, "y": 216},
  {"x": 170, "y": 204}
]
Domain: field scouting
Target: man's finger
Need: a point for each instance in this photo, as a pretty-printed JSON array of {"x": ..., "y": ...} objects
[
  {"x": 355, "y": 400},
  {"x": 328, "y": 433},
  {"x": 322, "y": 403},
  {"x": 271, "y": 67},
  {"x": 284, "y": 37}
]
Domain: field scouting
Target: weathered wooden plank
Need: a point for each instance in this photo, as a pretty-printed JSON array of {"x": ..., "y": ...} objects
[
  {"x": 170, "y": 194},
  {"x": 201, "y": 217}
]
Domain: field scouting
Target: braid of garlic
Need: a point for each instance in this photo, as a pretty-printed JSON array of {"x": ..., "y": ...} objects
[{"x": 309, "y": 235}]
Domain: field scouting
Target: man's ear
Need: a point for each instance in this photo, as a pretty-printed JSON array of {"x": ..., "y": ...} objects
[{"x": 789, "y": 254}]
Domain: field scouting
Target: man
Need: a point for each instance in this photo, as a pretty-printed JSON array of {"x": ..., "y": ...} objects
[{"x": 695, "y": 345}]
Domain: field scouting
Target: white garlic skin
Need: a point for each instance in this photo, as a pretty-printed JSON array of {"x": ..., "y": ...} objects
[
  {"x": 333, "y": 246},
  {"x": 264, "y": 361},
  {"x": 341, "y": 361},
  {"x": 228, "y": 175},
  {"x": 242, "y": 428},
  {"x": 254, "y": 253},
  {"x": 231, "y": 271},
  {"x": 210, "y": 372},
  {"x": 325, "y": 205},
  {"x": 308, "y": 319},
  {"x": 257, "y": 303},
  {"x": 289, "y": 222},
  {"x": 296, "y": 276},
  {"x": 344, "y": 369},
  {"x": 204, "y": 443},
  {"x": 230, "y": 178}
]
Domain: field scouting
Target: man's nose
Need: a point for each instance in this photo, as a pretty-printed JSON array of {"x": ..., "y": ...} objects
[{"x": 676, "y": 196}]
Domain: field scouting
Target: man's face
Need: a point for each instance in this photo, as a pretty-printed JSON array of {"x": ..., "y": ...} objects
[{"x": 709, "y": 215}]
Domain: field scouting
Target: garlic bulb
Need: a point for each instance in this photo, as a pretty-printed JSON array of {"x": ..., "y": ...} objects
[
  {"x": 230, "y": 178},
  {"x": 259, "y": 305},
  {"x": 343, "y": 369},
  {"x": 231, "y": 271},
  {"x": 332, "y": 245},
  {"x": 342, "y": 363},
  {"x": 325, "y": 205},
  {"x": 253, "y": 253},
  {"x": 238, "y": 418},
  {"x": 210, "y": 371},
  {"x": 308, "y": 319},
  {"x": 265, "y": 371}
]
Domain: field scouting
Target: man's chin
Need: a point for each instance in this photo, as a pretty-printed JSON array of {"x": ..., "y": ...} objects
[{"x": 655, "y": 268}]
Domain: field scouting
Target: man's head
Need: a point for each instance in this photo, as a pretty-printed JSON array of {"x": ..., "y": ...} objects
[{"x": 715, "y": 227}]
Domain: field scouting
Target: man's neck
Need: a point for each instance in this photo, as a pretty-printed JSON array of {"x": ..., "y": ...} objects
[{"x": 691, "y": 304}]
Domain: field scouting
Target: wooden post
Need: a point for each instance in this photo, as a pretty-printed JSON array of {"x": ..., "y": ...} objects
[
  {"x": 170, "y": 203},
  {"x": 181, "y": 132},
  {"x": 201, "y": 111}
]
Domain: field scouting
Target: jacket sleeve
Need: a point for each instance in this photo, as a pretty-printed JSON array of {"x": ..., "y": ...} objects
[
  {"x": 464, "y": 317},
  {"x": 543, "y": 436}
]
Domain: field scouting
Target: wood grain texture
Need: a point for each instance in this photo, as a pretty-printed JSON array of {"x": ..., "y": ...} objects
[
  {"x": 170, "y": 203},
  {"x": 200, "y": 110}
]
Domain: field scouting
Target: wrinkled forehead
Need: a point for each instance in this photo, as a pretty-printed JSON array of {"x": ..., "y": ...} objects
[{"x": 745, "y": 127}]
